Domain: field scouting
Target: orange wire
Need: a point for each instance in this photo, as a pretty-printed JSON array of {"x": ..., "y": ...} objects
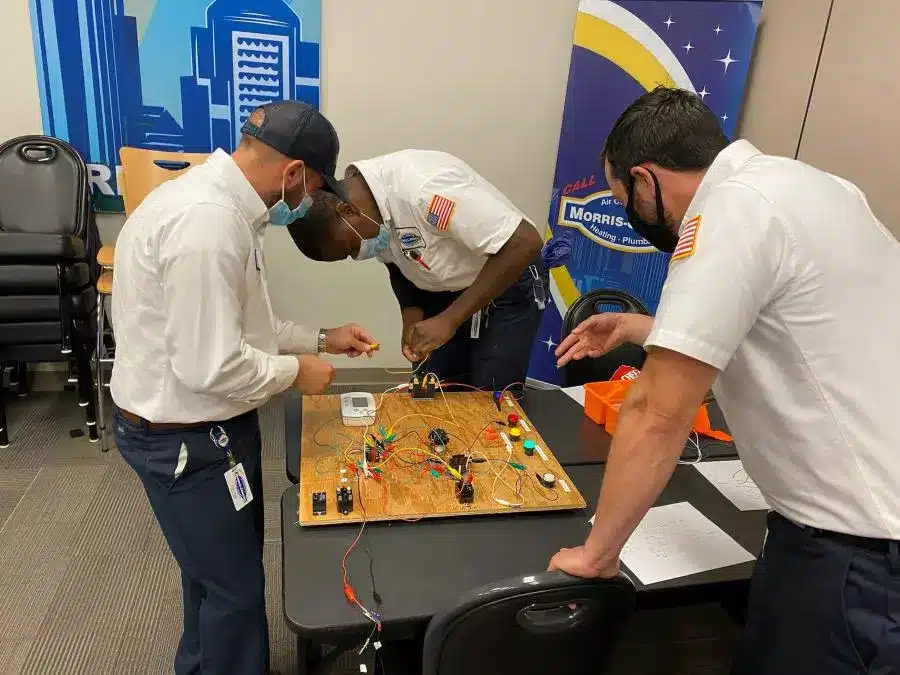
[{"x": 348, "y": 588}]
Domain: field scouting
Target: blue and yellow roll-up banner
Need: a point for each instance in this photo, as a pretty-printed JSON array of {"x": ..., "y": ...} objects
[{"x": 620, "y": 50}]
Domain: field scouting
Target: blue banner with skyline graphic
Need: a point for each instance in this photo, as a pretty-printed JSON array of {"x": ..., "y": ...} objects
[
  {"x": 172, "y": 75},
  {"x": 622, "y": 49}
]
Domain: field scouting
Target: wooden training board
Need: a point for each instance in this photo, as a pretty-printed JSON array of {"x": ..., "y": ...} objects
[{"x": 408, "y": 489}]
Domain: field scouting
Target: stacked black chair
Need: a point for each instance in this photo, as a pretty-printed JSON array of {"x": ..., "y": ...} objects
[
  {"x": 546, "y": 623},
  {"x": 602, "y": 368},
  {"x": 48, "y": 271}
]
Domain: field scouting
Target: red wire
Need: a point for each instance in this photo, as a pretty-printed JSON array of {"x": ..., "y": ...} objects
[
  {"x": 469, "y": 386},
  {"x": 460, "y": 384},
  {"x": 348, "y": 589}
]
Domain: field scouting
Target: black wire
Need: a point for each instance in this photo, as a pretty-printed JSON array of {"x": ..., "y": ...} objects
[
  {"x": 521, "y": 396},
  {"x": 375, "y": 596},
  {"x": 815, "y": 76},
  {"x": 322, "y": 426},
  {"x": 554, "y": 494},
  {"x": 413, "y": 432}
]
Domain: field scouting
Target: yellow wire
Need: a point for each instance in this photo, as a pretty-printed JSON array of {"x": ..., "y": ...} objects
[
  {"x": 408, "y": 372},
  {"x": 444, "y": 396},
  {"x": 433, "y": 417},
  {"x": 498, "y": 477},
  {"x": 392, "y": 390}
]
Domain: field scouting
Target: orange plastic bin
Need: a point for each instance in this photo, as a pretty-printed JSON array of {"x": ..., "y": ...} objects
[{"x": 602, "y": 401}]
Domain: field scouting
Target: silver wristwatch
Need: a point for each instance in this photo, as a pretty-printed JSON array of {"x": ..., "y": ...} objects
[{"x": 323, "y": 341}]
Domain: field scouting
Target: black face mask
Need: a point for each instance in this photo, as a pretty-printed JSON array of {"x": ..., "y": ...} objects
[{"x": 658, "y": 234}]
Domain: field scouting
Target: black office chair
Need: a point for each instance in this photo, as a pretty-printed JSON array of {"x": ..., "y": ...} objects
[
  {"x": 602, "y": 368},
  {"x": 48, "y": 246},
  {"x": 546, "y": 623}
]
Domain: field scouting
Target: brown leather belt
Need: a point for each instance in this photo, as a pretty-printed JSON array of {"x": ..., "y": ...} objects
[{"x": 147, "y": 424}]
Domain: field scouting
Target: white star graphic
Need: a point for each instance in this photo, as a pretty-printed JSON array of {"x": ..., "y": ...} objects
[
  {"x": 549, "y": 342},
  {"x": 689, "y": 47},
  {"x": 725, "y": 117},
  {"x": 718, "y": 29},
  {"x": 703, "y": 93},
  {"x": 727, "y": 61},
  {"x": 668, "y": 22}
]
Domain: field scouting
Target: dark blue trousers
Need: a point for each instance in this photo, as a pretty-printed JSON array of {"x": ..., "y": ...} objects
[
  {"x": 499, "y": 356},
  {"x": 820, "y": 606},
  {"x": 218, "y": 549}
]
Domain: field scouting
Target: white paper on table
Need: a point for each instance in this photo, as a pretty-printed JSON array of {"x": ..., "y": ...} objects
[
  {"x": 732, "y": 481},
  {"x": 677, "y": 540},
  {"x": 575, "y": 393}
]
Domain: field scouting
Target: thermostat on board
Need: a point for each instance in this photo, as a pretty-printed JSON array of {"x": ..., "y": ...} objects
[{"x": 357, "y": 409}]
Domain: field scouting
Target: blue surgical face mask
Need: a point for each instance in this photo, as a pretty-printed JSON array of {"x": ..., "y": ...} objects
[
  {"x": 369, "y": 248},
  {"x": 282, "y": 214}
]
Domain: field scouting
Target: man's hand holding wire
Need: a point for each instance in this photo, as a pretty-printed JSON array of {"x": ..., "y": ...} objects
[
  {"x": 349, "y": 340},
  {"x": 411, "y": 316},
  {"x": 602, "y": 333},
  {"x": 426, "y": 336}
]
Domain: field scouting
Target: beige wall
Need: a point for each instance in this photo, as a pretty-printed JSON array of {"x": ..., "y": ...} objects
[
  {"x": 853, "y": 128},
  {"x": 19, "y": 84},
  {"x": 489, "y": 86},
  {"x": 782, "y": 72}
]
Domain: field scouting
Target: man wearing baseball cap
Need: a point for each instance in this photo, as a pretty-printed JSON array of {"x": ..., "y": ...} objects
[{"x": 199, "y": 350}]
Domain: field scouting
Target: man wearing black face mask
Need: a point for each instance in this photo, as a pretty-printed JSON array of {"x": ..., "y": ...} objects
[
  {"x": 658, "y": 232},
  {"x": 779, "y": 296}
]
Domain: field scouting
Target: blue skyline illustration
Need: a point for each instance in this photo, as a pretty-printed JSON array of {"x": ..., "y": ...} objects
[{"x": 172, "y": 75}]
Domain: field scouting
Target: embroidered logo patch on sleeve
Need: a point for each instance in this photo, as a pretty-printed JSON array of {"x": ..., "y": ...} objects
[
  {"x": 440, "y": 211},
  {"x": 687, "y": 241}
]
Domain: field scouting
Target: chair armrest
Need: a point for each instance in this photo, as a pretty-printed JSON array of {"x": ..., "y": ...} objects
[{"x": 21, "y": 247}]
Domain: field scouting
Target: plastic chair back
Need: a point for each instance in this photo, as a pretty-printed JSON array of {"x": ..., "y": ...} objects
[
  {"x": 43, "y": 187},
  {"x": 603, "y": 367},
  {"x": 547, "y": 623},
  {"x": 145, "y": 170}
]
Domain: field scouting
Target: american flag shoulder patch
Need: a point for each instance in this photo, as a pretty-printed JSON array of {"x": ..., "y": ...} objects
[
  {"x": 687, "y": 241},
  {"x": 440, "y": 211}
]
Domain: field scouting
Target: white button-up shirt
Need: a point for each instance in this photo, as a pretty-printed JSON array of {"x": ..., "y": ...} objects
[
  {"x": 196, "y": 338},
  {"x": 789, "y": 289},
  {"x": 439, "y": 207}
]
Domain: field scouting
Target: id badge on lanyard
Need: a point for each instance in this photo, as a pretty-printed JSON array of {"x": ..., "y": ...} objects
[
  {"x": 475, "y": 331},
  {"x": 235, "y": 477},
  {"x": 537, "y": 287}
]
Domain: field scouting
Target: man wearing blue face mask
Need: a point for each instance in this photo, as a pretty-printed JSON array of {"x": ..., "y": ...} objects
[
  {"x": 199, "y": 350},
  {"x": 464, "y": 263}
]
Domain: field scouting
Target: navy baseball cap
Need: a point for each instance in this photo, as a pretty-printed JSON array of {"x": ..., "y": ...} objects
[{"x": 299, "y": 131}]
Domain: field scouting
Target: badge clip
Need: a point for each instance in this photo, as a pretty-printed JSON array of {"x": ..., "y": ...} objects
[
  {"x": 540, "y": 291},
  {"x": 235, "y": 477}
]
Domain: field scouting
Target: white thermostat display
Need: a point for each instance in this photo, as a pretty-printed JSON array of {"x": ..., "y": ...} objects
[{"x": 357, "y": 409}]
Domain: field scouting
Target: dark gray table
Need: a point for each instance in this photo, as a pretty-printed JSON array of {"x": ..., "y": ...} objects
[
  {"x": 574, "y": 438},
  {"x": 423, "y": 568}
]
